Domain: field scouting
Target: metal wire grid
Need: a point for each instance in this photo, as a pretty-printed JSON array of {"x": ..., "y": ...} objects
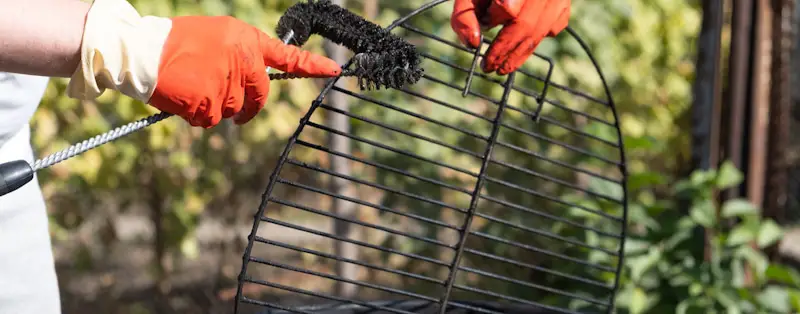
[{"x": 447, "y": 232}]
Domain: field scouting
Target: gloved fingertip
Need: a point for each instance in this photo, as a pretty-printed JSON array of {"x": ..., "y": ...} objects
[
  {"x": 323, "y": 67},
  {"x": 229, "y": 111},
  {"x": 237, "y": 116},
  {"x": 483, "y": 66},
  {"x": 251, "y": 108},
  {"x": 467, "y": 39},
  {"x": 474, "y": 39},
  {"x": 243, "y": 118},
  {"x": 505, "y": 70},
  {"x": 199, "y": 123},
  {"x": 489, "y": 65},
  {"x": 238, "y": 120},
  {"x": 211, "y": 122}
]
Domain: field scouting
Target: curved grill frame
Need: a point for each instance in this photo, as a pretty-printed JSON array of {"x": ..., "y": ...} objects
[{"x": 444, "y": 303}]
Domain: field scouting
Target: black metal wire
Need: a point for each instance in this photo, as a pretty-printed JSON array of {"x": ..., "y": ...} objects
[
  {"x": 622, "y": 169},
  {"x": 474, "y": 201},
  {"x": 540, "y": 157},
  {"x": 384, "y": 167},
  {"x": 368, "y": 204},
  {"x": 538, "y": 268},
  {"x": 440, "y": 264},
  {"x": 529, "y": 74},
  {"x": 516, "y": 88},
  {"x": 338, "y": 258},
  {"x": 360, "y": 243},
  {"x": 414, "y": 196}
]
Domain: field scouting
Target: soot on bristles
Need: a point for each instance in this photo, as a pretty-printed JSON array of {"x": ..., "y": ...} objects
[{"x": 382, "y": 58}]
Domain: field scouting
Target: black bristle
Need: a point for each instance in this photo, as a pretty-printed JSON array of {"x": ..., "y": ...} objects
[{"x": 382, "y": 58}]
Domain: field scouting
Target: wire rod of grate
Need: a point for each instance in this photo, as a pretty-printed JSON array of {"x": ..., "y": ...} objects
[{"x": 502, "y": 201}]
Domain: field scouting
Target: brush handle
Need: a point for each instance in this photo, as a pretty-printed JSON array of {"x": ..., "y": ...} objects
[{"x": 15, "y": 174}]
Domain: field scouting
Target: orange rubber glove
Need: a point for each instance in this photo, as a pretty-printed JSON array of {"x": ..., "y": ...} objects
[
  {"x": 525, "y": 24},
  {"x": 203, "y": 69},
  {"x": 214, "y": 67}
]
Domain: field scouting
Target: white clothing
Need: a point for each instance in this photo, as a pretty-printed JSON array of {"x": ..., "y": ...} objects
[
  {"x": 120, "y": 50},
  {"x": 28, "y": 283}
]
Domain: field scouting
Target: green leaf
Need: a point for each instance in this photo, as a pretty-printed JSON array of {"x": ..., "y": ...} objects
[
  {"x": 645, "y": 179},
  {"x": 641, "y": 264},
  {"x": 728, "y": 299},
  {"x": 696, "y": 289},
  {"x": 775, "y": 299},
  {"x": 682, "y": 186},
  {"x": 756, "y": 259},
  {"x": 738, "y": 208},
  {"x": 638, "y": 142},
  {"x": 794, "y": 299},
  {"x": 733, "y": 309},
  {"x": 783, "y": 275},
  {"x": 639, "y": 301},
  {"x": 738, "y": 274},
  {"x": 702, "y": 212},
  {"x": 742, "y": 234},
  {"x": 641, "y": 215},
  {"x": 769, "y": 234},
  {"x": 700, "y": 178},
  {"x": 728, "y": 176},
  {"x": 681, "y": 280},
  {"x": 746, "y": 299},
  {"x": 606, "y": 188},
  {"x": 635, "y": 246},
  {"x": 683, "y": 307},
  {"x": 692, "y": 305}
]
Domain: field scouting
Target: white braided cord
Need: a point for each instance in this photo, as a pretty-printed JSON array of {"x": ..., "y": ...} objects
[{"x": 98, "y": 140}]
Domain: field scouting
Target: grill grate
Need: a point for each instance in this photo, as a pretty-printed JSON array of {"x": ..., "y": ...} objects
[{"x": 538, "y": 226}]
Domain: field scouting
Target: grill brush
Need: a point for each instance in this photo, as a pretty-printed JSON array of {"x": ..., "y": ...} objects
[{"x": 382, "y": 59}]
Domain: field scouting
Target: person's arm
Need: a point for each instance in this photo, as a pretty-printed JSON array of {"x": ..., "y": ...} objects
[
  {"x": 202, "y": 68},
  {"x": 41, "y": 37}
]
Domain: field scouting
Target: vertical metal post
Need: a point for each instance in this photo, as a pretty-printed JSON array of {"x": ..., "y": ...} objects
[
  {"x": 739, "y": 78},
  {"x": 793, "y": 155},
  {"x": 760, "y": 99},
  {"x": 341, "y": 186},
  {"x": 370, "y": 9},
  {"x": 706, "y": 106},
  {"x": 705, "y": 109},
  {"x": 777, "y": 168},
  {"x": 758, "y": 115}
]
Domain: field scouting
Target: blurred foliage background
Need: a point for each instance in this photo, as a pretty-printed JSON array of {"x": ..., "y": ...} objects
[{"x": 157, "y": 222}]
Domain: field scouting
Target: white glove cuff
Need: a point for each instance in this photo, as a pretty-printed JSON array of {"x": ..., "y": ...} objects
[{"x": 121, "y": 50}]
